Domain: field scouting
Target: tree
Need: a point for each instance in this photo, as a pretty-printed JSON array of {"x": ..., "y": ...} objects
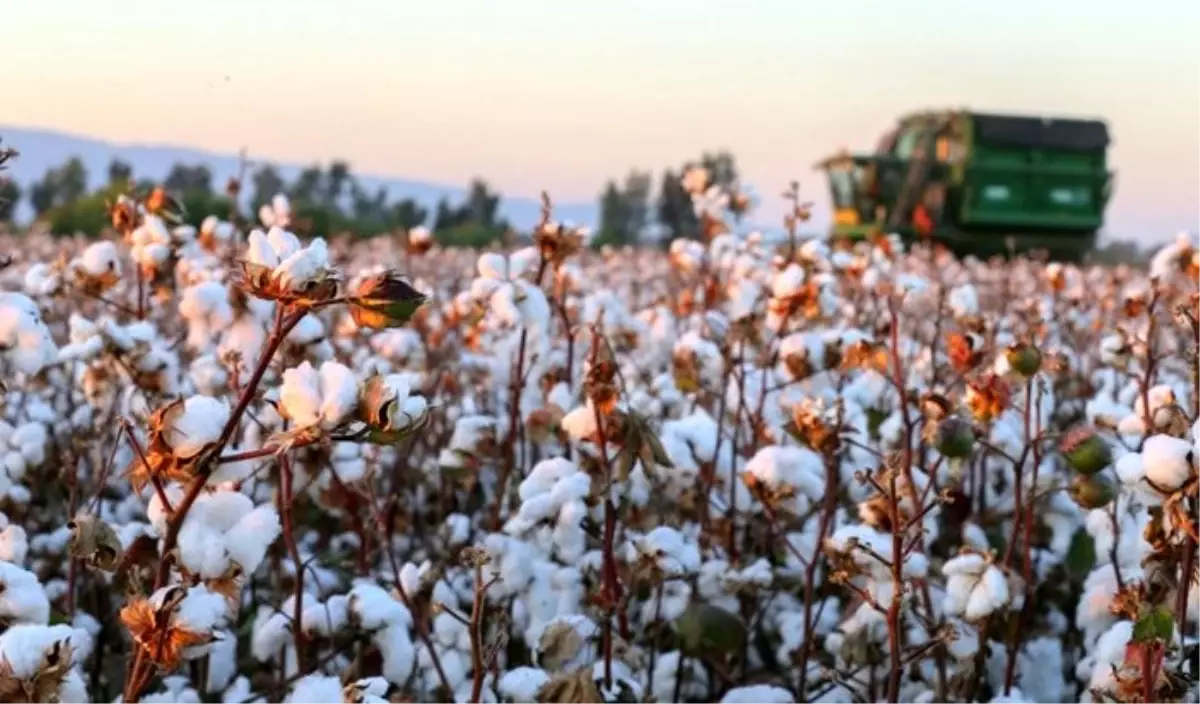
[
  {"x": 189, "y": 179},
  {"x": 119, "y": 172},
  {"x": 267, "y": 183},
  {"x": 10, "y": 195},
  {"x": 614, "y": 216},
  {"x": 407, "y": 214},
  {"x": 308, "y": 187},
  {"x": 675, "y": 211},
  {"x": 335, "y": 181},
  {"x": 59, "y": 186}
]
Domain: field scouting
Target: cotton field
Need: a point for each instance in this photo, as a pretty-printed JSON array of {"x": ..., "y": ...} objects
[{"x": 244, "y": 466}]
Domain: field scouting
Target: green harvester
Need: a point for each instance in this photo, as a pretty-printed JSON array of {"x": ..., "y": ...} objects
[{"x": 980, "y": 184}]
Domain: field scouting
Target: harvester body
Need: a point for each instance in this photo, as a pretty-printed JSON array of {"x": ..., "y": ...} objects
[{"x": 979, "y": 183}]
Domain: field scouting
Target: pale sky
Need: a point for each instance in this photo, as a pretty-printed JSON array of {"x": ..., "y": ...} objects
[{"x": 563, "y": 94}]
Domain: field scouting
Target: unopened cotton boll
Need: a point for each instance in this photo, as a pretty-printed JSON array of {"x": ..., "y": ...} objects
[{"x": 1168, "y": 461}]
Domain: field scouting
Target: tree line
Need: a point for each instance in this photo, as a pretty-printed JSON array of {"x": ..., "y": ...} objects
[{"x": 332, "y": 199}]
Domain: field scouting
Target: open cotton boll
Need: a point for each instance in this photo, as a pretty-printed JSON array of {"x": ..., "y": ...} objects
[
  {"x": 1168, "y": 461},
  {"x": 222, "y": 661},
  {"x": 522, "y": 684},
  {"x": 198, "y": 425},
  {"x": 398, "y": 653},
  {"x": 202, "y": 550},
  {"x": 758, "y": 694},
  {"x": 22, "y": 599},
  {"x": 248, "y": 540},
  {"x": 373, "y": 608},
  {"x": 283, "y": 242},
  {"x": 789, "y": 469},
  {"x": 271, "y": 632},
  {"x": 25, "y": 342},
  {"x": 100, "y": 258},
  {"x": 260, "y": 251},
  {"x": 339, "y": 394},
  {"x": 300, "y": 395},
  {"x": 13, "y": 544},
  {"x": 299, "y": 270},
  {"x": 315, "y": 688}
]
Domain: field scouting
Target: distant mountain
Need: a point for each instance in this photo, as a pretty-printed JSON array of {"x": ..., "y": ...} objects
[{"x": 42, "y": 149}]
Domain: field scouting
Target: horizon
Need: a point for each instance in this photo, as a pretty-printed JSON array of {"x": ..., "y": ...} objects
[{"x": 533, "y": 96}]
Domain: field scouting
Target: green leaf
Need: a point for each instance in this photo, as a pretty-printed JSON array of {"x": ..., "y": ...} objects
[
  {"x": 1155, "y": 625},
  {"x": 1081, "y": 556}
]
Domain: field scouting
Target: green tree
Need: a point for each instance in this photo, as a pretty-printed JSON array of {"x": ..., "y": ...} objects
[
  {"x": 59, "y": 186},
  {"x": 10, "y": 195},
  {"x": 189, "y": 179},
  {"x": 308, "y": 186},
  {"x": 407, "y": 214},
  {"x": 267, "y": 183},
  {"x": 335, "y": 182},
  {"x": 119, "y": 172},
  {"x": 613, "y": 217},
  {"x": 675, "y": 211}
]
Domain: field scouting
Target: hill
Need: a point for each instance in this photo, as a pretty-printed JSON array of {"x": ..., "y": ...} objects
[{"x": 42, "y": 149}]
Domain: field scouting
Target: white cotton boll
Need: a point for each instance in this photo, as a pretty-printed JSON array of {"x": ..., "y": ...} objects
[
  {"x": 284, "y": 242},
  {"x": 281, "y": 209},
  {"x": 758, "y": 694},
  {"x": 260, "y": 251},
  {"x": 198, "y": 425},
  {"x": 13, "y": 545},
  {"x": 100, "y": 258},
  {"x": 1167, "y": 461},
  {"x": 272, "y": 630},
  {"x": 580, "y": 423},
  {"x": 790, "y": 468},
  {"x": 200, "y": 611},
  {"x": 522, "y": 684},
  {"x": 339, "y": 394},
  {"x": 221, "y": 509},
  {"x": 202, "y": 550},
  {"x": 963, "y": 300},
  {"x": 300, "y": 395},
  {"x": 398, "y": 653},
  {"x": 248, "y": 540},
  {"x": 373, "y": 608},
  {"x": 1130, "y": 468},
  {"x": 989, "y": 594},
  {"x": 302, "y": 268},
  {"x": 25, "y": 341},
  {"x": 966, "y": 564},
  {"x": 22, "y": 599},
  {"x": 23, "y": 647},
  {"x": 315, "y": 688},
  {"x": 328, "y": 618},
  {"x": 493, "y": 266},
  {"x": 239, "y": 692},
  {"x": 788, "y": 282},
  {"x": 222, "y": 661}
]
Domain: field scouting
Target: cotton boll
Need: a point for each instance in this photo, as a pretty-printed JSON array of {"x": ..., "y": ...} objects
[
  {"x": 316, "y": 688},
  {"x": 1168, "y": 461},
  {"x": 522, "y": 684},
  {"x": 271, "y": 632},
  {"x": 25, "y": 342},
  {"x": 372, "y": 608},
  {"x": 398, "y": 653},
  {"x": 758, "y": 694},
  {"x": 301, "y": 269},
  {"x": 339, "y": 394},
  {"x": 300, "y": 395},
  {"x": 260, "y": 251},
  {"x": 100, "y": 258},
  {"x": 248, "y": 540},
  {"x": 22, "y": 599},
  {"x": 222, "y": 661},
  {"x": 202, "y": 550},
  {"x": 198, "y": 425}
]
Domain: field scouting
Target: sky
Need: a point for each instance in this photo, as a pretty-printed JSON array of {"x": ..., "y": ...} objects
[{"x": 544, "y": 94}]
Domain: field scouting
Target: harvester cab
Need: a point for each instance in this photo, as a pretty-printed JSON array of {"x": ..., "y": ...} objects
[{"x": 980, "y": 184}]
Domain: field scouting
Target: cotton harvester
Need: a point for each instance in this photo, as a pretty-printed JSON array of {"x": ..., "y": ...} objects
[{"x": 978, "y": 183}]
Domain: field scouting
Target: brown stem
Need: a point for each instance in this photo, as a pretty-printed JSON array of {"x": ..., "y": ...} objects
[
  {"x": 476, "y": 630},
  {"x": 289, "y": 539}
]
